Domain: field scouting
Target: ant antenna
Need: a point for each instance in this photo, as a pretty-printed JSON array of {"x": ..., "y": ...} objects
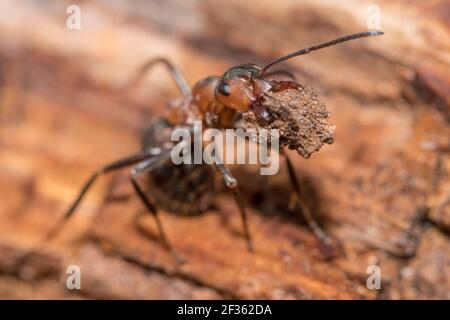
[{"x": 322, "y": 45}]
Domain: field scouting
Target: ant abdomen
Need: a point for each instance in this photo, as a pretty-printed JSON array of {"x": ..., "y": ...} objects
[{"x": 183, "y": 189}]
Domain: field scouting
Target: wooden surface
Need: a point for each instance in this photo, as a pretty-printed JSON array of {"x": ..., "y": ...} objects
[{"x": 382, "y": 189}]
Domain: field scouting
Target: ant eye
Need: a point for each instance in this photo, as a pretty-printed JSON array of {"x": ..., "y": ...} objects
[
  {"x": 224, "y": 89},
  {"x": 235, "y": 93}
]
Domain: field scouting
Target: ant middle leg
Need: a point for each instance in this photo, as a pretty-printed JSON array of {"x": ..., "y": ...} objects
[
  {"x": 145, "y": 167},
  {"x": 298, "y": 197},
  {"x": 232, "y": 184},
  {"x": 174, "y": 72}
]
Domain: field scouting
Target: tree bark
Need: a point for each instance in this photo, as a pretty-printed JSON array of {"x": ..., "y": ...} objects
[{"x": 382, "y": 190}]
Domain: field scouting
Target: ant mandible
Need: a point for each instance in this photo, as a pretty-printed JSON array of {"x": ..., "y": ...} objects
[{"x": 217, "y": 101}]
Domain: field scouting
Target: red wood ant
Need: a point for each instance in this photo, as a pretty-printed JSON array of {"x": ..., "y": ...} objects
[{"x": 217, "y": 101}]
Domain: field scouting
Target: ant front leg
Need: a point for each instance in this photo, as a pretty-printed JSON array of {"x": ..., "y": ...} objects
[
  {"x": 232, "y": 184},
  {"x": 298, "y": 197},
  {"x": 145, "y": 167},
  {"x": 174, "y": 72}
]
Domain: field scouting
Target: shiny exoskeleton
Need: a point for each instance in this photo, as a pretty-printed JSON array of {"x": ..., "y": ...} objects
[
  {"x": 184, "y": 189},
  {"x": 217, "y": 101}
]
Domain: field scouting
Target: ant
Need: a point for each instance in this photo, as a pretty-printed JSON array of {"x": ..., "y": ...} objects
[{"x": 217, "y": 101}]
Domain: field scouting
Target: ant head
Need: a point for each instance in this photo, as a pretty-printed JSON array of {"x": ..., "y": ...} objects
[
  {"x": 236, "y": 87},
  {"x": 240, "y": 86}
]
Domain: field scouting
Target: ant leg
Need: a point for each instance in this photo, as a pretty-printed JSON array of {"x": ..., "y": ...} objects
[
  {"x": 232, "y": 184},
  {"x": 297, "y": 197},
  {"x": 139, "y": 169},
  {"x": 108, "y": 168},
  {"x": 176, "y": 74}
]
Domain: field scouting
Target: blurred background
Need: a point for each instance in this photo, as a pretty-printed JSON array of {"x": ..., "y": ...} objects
[{"x": 382, "y": 189}]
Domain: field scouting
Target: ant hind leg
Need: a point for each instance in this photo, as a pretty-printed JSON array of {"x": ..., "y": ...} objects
[{"x": 174, "y": 72}]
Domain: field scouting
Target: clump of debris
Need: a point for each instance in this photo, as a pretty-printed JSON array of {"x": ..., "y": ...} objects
[{"x": 302, "y": 120}]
